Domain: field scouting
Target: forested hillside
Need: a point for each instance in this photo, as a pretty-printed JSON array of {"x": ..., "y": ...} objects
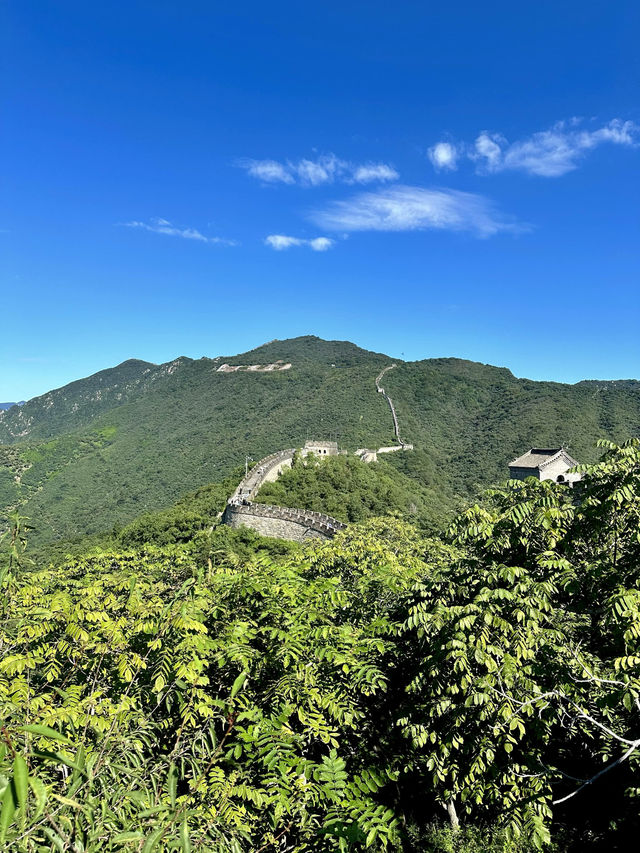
[
  {"x": 351, "y": 490},
  {"x": 137, "y": 437},
  {"x": 476, "y": 691}
]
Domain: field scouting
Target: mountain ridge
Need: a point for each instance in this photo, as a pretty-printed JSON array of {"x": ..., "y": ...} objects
[{"x": 137, "y": 437}]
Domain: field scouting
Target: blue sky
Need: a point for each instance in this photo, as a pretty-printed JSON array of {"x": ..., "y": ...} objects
[{"x": 422, "y": 179}]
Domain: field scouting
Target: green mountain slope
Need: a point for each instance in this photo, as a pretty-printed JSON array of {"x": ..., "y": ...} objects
[
  {"x": 472, "y": 419},
  {"x": 137, "y": 437},
  {"x": 75, "y": 405}
]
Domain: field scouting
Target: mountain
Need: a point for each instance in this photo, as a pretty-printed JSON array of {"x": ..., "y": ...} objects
[
  {"x": 137, "y": 437},
  {"x": 5, "y": 406},
  {"x": 75, "y": 405}
]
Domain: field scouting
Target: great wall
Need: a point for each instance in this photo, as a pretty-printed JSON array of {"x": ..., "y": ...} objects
[
  {"x": 278, "y": 521},
  {"x": 396, "y": 427},
  {"x": 286, "y": 522}
]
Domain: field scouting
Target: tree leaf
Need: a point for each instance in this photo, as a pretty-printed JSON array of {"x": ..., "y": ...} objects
[
  {"x": 237, "y": 684},
  {"x": 45, "y": 731},
  {"x": 172, "y": 784},
  {"x": 8, "y": 809},
  {"x": 40, "y": 793},
  {"x": 126, "y": 837},
  {"x": 152, "y": 840},
  {"x": 67, "y": 802},
  {"x": 184, "y": 837},
  {"x": 58, "y": 758},
  {"x": 21, "y": 780}
]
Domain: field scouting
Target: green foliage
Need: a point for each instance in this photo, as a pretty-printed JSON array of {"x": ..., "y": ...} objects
[
  {"x": 437, "y": 838},
  {"x": 166, "y": 703},
  {"x": 525, "y": 665},
  {"x": 347, "y": 489},
  {"x": 348, "y": 695},
  {"x": 181, "y": 522}
]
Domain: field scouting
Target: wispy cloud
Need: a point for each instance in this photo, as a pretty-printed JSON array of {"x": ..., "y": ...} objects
[
  {"x": 406, "y": 208},
  {"x": 280, "y": 242},
  {"x": 444, "y": 156},
  {"x": 325, "y": 169},
  {"x": 548, "y": 153},
  {"x": 269, "y": 171},
  {"x": 373, "y": 172},
  {"x": 163, "y": 226}
]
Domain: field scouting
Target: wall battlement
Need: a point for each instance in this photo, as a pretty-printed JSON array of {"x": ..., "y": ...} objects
[
  {"x": 265, "y": 471},
  {"x": 277, "y": 521},
  {"x": 282, "y": 522}
]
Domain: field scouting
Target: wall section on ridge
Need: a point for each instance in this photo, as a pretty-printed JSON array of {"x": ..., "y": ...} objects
[{"x": 282, "y": 522}]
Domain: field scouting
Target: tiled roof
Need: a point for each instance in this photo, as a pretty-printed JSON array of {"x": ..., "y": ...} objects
[{"x": 539, "y": 457}]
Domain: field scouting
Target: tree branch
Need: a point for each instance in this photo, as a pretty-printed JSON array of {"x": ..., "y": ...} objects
[{"x": 606, "y": 769}]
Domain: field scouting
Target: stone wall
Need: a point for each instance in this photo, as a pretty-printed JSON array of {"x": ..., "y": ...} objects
[
  {"x": 265, "y": 471},
  {"x": 367, "y": 455},
  {"x": 276, "y": 521},
  {"x": 282, "y": 522},
  {"x": 557, "y": 468},
  {"x": 522, "y": 473},
  {"x": 320, "y": 448},
  {"x": 396, "y": 425}
]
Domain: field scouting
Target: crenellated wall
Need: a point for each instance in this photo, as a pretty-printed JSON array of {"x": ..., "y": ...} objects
[
  {"x": 282, "y": 522},
  {"x": 265, "y": 471},
  {"x": 276, "y": 521}
]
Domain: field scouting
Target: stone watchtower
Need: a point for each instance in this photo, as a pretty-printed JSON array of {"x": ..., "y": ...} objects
[
  {"x": 545, "y": 464},
  {"x": 320, "y": 448}
]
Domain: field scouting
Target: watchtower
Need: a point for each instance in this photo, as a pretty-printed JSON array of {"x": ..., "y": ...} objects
[
  {"x": 545, "y": 464},
  {"x": 320, "y": 448}
]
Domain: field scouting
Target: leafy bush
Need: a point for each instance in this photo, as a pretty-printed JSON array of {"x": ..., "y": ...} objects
[{"x": 355, "y": 694}]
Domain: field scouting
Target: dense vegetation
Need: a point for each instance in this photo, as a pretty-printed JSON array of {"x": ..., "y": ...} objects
[
  {"x": 350, "y": 490},
  {"x": 134, "y": 439},
  {"x": 479, "y": 690}
]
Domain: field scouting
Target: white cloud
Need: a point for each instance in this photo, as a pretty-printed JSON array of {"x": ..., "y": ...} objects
[
  {"x": 405, "y": 208},
  {"x": 163, "y": 226},
  {"x": 444, "y": 156},
  {"x": 488, "y": 147},
  {"x": 321, "y": 244},
  {"x": 268, "y": 170},
  {"x": 325, "y": 169},
  {"x": 549, "y": 153},
  {"x": 371, "y": 172},
  {"x": 280, "y": 242}
]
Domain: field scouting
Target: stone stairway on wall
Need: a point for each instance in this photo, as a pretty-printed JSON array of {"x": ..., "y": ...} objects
[{"x": 267, "y": 468}]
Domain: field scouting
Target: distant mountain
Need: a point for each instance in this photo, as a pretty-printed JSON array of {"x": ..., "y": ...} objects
[
  {"x": 77, "y": 403},
  {"x": 138, "y": 436},
  {"x": 5, "y": 406}
]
